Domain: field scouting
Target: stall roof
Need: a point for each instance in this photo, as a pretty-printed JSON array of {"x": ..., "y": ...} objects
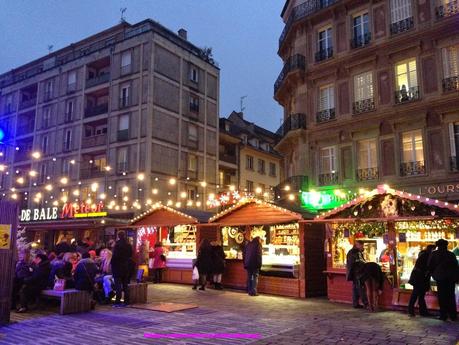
[
  {"x": 160, "y": 215},
  {"x": 384, "y": 203},
  {"x": 254, "y": 212}
]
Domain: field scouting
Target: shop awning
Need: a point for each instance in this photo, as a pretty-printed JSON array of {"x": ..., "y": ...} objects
[
  {"x": 160, "y": 215},
  {"x": 385, "y": 203},
  {"x": 255, "y": 212}
]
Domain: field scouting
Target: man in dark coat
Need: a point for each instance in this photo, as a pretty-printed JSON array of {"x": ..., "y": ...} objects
[
  {"x": 420, "y": 279},
  {"x": 204, "y": 263},
  {"x": 22, "y": 271},
  {"x": 121, "y": 268},
  {"x": 36, "y": 282},
  {"x": 218, "y": 264},
  {"x": 252, "y": 264},
  {"x": 444, "y": 268},
  {"x": 85, "y": 273},
  {"x": 63, "y": 247},
  {"x": 354, "y": 266}
]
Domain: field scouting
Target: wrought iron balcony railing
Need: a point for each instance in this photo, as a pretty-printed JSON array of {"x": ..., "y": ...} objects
[
  {"x": 447, "y": 10},
  {"x": 324, "y": 54},
  {"x": 293, "y": 63},
  {"x": 96, "y": 110},
  {"x": 100, "y": 79},
  {"x": 367, "y": 174},
  {"x": 407, "y": 95},
  {"x": 363, "y": 106},
  {"x": 412, "y": 168},
  {"x": 402, "y": 26},
  {"x": 328, "y": 179},
  {"x": 301, "y": 11},
  {"x": 361, "y": 40},
  {"x": 293, "y": 121},
  {"x": 325, "y": 115},
  {"x": 451, "y": 84}
]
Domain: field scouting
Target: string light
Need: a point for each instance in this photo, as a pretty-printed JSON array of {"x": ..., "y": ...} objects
[{"x": 172, "y": 181}]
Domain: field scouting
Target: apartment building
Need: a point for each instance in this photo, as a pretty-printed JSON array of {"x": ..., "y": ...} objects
[
  {"x": 128, "y": 115},
  {"x": 247, "y": 160},
  {"x": 370, "y": 91}
]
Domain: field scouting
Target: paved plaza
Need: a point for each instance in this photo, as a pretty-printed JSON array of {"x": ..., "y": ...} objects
[{"x": 277, "y": 320}]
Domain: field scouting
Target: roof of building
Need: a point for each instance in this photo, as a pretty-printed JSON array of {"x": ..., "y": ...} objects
[
  {"x": 285, "y": 7},
  {"x": 160, "y": 215}
]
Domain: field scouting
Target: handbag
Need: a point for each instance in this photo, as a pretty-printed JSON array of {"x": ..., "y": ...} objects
[
  {"x": 195, "y": 275},
  {"x": 59, "y": 284}
]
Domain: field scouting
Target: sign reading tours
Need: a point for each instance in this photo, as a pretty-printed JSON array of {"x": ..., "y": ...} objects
[{"x": 67, "y": 211}]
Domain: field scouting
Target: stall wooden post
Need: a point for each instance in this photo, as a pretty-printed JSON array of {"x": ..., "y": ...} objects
[
  {"x": 302, "y": 273},
  {"x": 8, "y": 218}
]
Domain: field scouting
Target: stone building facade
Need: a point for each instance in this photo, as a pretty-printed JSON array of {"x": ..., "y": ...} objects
[
  {"x": 129, "y": 114},
  {"x": 370, "y": 92}
]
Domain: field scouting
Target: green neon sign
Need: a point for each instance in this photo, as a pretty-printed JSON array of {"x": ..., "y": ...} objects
[{"x": 324, "y": 200}]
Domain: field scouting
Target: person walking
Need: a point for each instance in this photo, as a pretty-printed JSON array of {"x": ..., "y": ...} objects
[
  {"x": 354, "y": 266},
  {"x": 218, "y": 264},
  {"x": 252, "y": 264},
  {"x": 159, "y": 262},
  {"x": 420, "y": 279},
  {"x": 203, "y": 263},
  {"x": 121, "y": 262},
  {"x": 444, "y": 268}
]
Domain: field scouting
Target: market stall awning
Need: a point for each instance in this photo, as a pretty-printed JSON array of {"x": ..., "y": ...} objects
[
  {"x": 385, "y": 203},
  {"x": 255, "y": 212},
  {"x": 160, "y": 215}
]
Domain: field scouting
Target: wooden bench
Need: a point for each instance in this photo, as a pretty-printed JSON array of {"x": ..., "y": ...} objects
[
  {"x": 138, "y": 293},
  {"x": 71, "y": 300}
]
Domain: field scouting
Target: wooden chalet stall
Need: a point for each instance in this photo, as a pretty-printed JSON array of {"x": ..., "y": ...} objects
[
  {"x": 394, "y": 226},
  {"x": 177, "y": 231},
  {"x": 284, "y": 261}
]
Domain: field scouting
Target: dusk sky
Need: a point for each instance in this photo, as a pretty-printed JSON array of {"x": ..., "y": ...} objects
[{"x": 242, "y": 33}]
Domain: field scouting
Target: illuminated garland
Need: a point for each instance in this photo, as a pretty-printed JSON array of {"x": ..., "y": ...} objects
[
  {"x": 359, "y": 229},
  {"x": 448, "y": 225}
]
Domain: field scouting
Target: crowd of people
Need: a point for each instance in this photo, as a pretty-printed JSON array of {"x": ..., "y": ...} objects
[
  {"x": 102, "y": 272},
  {"x": 435, "y": 261}
]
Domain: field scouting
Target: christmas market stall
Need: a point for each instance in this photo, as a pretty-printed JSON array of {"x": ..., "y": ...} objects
[
  {"x": 177, "y": 232},
  {"x": 394, "y": 226},
  {"x": 285, "y": 264}
]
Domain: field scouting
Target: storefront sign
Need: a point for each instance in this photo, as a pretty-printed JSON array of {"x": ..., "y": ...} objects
[
  {"x": 5, "y": 236},
  {"x": 439, "y": 189},
  {"x": 68, "y": 211},
  {"x": 324, "y": 200}
]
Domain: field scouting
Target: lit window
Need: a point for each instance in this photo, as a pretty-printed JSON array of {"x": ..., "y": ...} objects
[
  {"x": 363, "y": 86},
  {"x": 412, "y": 147},
  {"x": 326, "y": 98},
  {"x": 451, "y": 61},
  {"x": 400, "y": 10},
  {"x": 249, "y": 162},
  {"x": 366, "y": 158},
  {"x": 328, "y": 160}
]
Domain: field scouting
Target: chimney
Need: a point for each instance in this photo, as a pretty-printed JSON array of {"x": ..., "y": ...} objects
[{"x": 183, "y": 34}]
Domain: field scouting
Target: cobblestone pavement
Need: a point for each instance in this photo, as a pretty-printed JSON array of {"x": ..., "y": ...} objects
[{"x": 278, "y": 321}]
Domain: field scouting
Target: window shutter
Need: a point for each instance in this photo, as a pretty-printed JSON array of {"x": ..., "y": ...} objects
[{"x": 452, "y": 139}]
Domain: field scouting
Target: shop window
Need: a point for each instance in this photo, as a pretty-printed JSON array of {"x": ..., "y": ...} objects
[
  {"x": 261, "y": 167},
  {"x": 406, "y": 79},
  {"x": 412, "y": 153},
  {"x": 249, "y": 162},
  {"x": 450, "y": 58}
]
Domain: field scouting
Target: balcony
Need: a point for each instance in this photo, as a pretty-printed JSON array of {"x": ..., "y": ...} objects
[
  {"x": 293, "y": 122},
  {"x": 96, "y": 140},
  {"x": 125, "y": 102},
  {"x": 302, "y": 11},
  {"x": 293, "y": 63},
  {"x": 325, "y": 115},
  {"x": 361, "y": 40},
  {"x": 407, "y": 95},
  {"x": 71, "y": 88},
  {"x": 412, "y": 168},
  {"x": 194, "y": 107},
  {"x": 125, "y": 70},
  {"x": 328, "y": 179},
  {"x": 447, "y": 10},
  {"x": 122, "y": 167},
  {"x": 122, "y": 135},
  {"x": 28, "y": 103},
  {"x": 96, "y": 110},
  {"x": 100, "y": 79},
  {"x": 363, "y": 106},
  {"x": 367, "y": 174},
  {"x": 324, "y": 54},
  {"x": 91, "y": 171},
  {"x": 228, "y": 158},
  {"x": 68, "y": 117},
  {"x": 451, "y": 84},
  {"x": 402, "y": 26}
]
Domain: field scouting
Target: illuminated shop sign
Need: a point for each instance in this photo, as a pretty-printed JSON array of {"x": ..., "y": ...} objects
[
  {"x": 324, "y": 200},
  {"x": 68, "y": 211}
]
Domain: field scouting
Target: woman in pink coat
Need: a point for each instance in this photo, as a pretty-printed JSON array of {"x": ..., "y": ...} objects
[{"x": 159, "y": 262}]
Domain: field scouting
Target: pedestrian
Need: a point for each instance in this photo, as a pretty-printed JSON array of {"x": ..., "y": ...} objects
[
  {"x": 121, "y": 262},
  {"x": 22, "y": 271},
  {"x": 218, "y": 264},
  {"x": 354, "y": 267},
  {"x": 62, "y": 245},
  {"x": 444, "y": 268},
  {"x": 158, "y": 262},
  {"x": 420, "y": 279},
  {"x": 105, "y": 277},
  {"x": 372, "y": 278},
  {"x": 85, "y": 273},
  {"x": 203, "y": 263},
  {"x": 252, "y": 264}
]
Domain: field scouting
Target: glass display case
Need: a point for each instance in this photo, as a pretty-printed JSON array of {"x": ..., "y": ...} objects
[{"x": 180, "y": 246}]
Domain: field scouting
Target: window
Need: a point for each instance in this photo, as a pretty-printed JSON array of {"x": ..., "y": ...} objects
[
  {"x": 249, "y": 186},
  {"x": 328, "y": 160},
  {"x": 48, "y": 89},
  {"x": 360, "y": 30},
  {"x": 400, "y": 10},
  {"x": 192, "y": 163},
  {"x": 412, "y": 149},
  {"x": 272, "y": 169},
  {"x": 194, "y": 104},
  {"x": 122, "y": 159},
  {"x": 69, "y": 107},
  {"x": 366, "y": 154},
  {"x": 326, "y": 98},
  {"x": 126, "y": 62},
  {"x": 44, "y": 144},
  {"x": 66, "y": 166},
  {"x": 191, "y": 193},
  {"x": 46, "y": 117},
  {"x": 324, "y": 44},
  {"x": 249, "y": 162},
  {"x": 43, "y": 173},
  {"x": 406, "y": 81},
  {"x": 194, "y": 74},
  {"x": 454, "y": 144},
  {"x": 192, "y": 133},
  {"x": 451, "y": 61},
  {"x": 123, "y": 127},
  {"x": 9, "y": 103},
  {"x": 125, "y": 95},
  {"x": 71, "y": 81},
  {"x": 363, "y": 86},
  {"x": 261, "y": 166},
  {"x": 68, "y": 140},
  {"x": 100, "y": 162},
  {"x": 244, "y": 138}
]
